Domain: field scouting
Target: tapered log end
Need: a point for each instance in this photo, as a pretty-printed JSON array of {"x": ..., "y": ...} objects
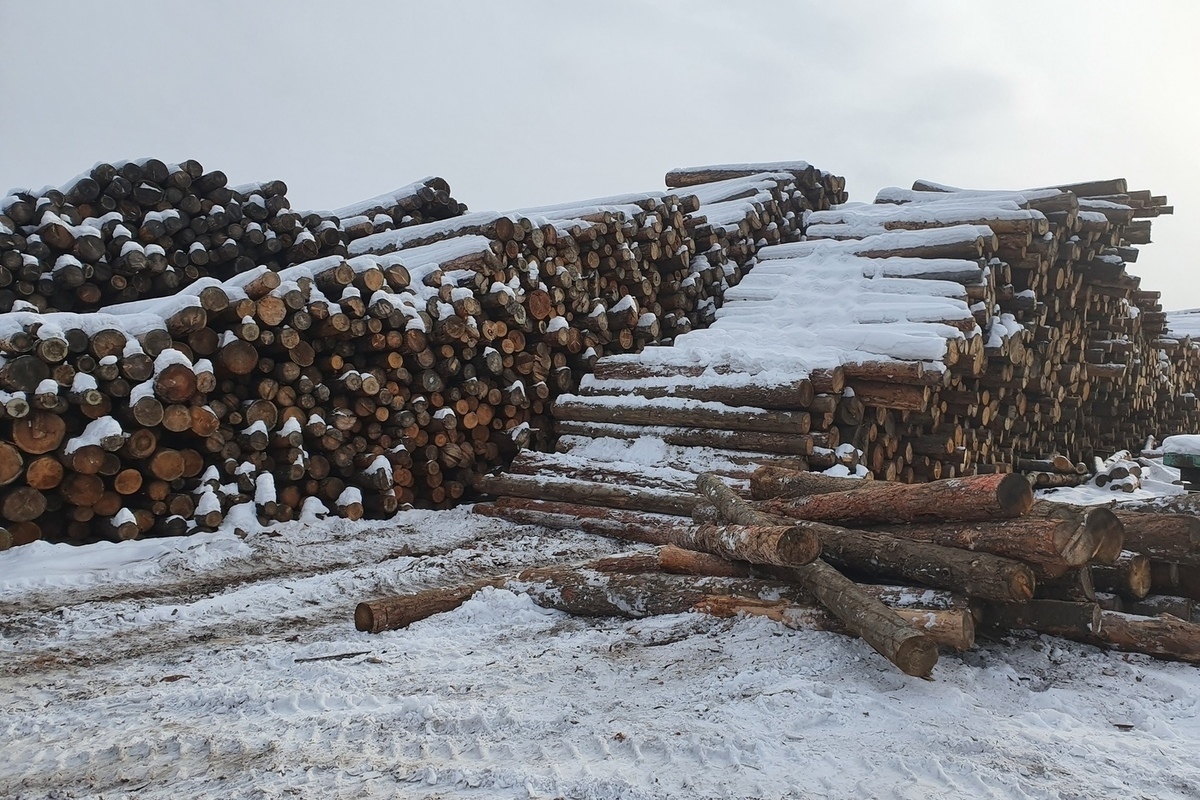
[
  {"x": 364, "y": 618},
  {"x": 917, "y": 655},
  {"x": 1014, "y": 494},
  {"x": 797, "y": 547}
]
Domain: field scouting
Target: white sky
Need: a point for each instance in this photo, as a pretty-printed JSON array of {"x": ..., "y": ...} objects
[{"x": 527, "y": 103}]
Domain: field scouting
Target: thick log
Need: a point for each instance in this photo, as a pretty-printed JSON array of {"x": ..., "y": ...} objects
[
  {"x": 905, "y": 647},
  {"x": 1155, "y": 604},
  {"x": 980, "y": 497},
  {"x": 1073, "y": 586},
  {"x": 391, "y": 613},
  {"x": 1062, "y": 538},
  {"x": 1166, "y": 537}
]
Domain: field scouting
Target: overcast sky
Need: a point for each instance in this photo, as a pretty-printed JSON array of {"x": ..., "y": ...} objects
[{"x": 529, "y": 103}]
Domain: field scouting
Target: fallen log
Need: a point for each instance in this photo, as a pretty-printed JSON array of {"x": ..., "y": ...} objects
[
  {"x": 784, "y": 545},
  {"x": 980, "y": 497}
]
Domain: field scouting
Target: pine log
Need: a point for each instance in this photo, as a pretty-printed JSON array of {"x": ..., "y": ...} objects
[
  {"x": 669, "y": 412},
  {"x": 782, "y": 545},
  {"x": 1166, "y": 537},
  {"x": 980, "y": 497},
  {"x": 1061, "y": 539},
  {"x": 1155, "y": 604},
  {"x": 1075, "y": 586},
  {"x": 755, "y": 441}
]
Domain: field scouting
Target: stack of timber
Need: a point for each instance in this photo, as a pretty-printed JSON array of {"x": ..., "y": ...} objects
[
  {"x": 141, "y": 229},
  {"x": 354, "y": 361},
  {"x": 935, "y": 333},
  {"x": 908, "y": 568}
]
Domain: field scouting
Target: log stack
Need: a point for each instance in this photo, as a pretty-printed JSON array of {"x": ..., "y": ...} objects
[
  {"x": 935, "y": 333},
  {"x": 142, "y": 229},
  {"x": 254, "y": 363}
]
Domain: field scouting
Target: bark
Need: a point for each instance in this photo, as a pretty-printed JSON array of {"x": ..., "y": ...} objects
[
  {"x": 708, "y": 415},
  {"x": 587, "y": 493},
  {"x": 980, "y": 497}
]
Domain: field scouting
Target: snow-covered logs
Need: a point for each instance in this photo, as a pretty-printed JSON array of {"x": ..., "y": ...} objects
[
  {"x": 935, "y": 333},
  {"x": 142, "y": 229}
]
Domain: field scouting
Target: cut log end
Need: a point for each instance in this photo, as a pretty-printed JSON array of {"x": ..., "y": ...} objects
[
  {"x": 1014, "y": 494},
  {"x": 917, "y": 655}
]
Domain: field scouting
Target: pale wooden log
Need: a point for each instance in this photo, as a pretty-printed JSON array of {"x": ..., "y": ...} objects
[
  {"x": 587, "y": 493},
  {"x": 696, "y": 437},
  {"x": 667, "y": 412}
]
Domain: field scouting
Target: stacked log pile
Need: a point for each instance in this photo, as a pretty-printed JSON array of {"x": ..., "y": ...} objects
[
  {"x": 933, "y": 334},
  {"x": 142, "y": 229},
  {"x": 908, "y": 568},
  {"x": 354, "y": 361}
]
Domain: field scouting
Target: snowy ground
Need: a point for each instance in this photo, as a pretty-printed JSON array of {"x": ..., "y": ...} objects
[{"x": 216, "y": 667}]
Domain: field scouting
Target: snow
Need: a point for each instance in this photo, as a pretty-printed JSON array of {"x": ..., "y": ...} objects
[
  {"x": 1186, "y": 444},
  {"x": 215, "y": 665}
]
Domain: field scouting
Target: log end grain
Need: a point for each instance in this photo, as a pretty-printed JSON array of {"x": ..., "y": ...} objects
[{"x": 1014, "y": 494}]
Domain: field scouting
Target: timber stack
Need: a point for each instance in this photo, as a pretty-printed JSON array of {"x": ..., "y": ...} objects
[
  {"x": 907, "y": 568},
  {"x": 935, "y": 333},
  {"x": 182, "y": 353}
]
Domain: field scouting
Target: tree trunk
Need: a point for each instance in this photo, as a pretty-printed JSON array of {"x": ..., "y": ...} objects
[{"x": 980, "y": 497}]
